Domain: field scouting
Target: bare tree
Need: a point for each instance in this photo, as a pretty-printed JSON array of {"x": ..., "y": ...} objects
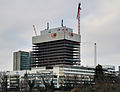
[
  {"x": 31, "y": 84},
  {"x": 49, "y": 85},
  {"x": 3, "y": 81},
  {"x": 25, "y": 82}
]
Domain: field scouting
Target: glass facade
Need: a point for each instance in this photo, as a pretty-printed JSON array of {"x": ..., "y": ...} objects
[
  {"x": 119, "y": 68},
  {"x": 21, "y": 60},
  {"x": 25, "y": 61}
]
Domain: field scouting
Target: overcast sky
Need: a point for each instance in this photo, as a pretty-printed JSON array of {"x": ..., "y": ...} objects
[{"x": 100, "y": 23}]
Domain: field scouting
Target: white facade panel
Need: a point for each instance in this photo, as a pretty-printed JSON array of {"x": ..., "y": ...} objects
[
  {"x": 59, "y": 36},
  {"x": 54, "y": 30}
]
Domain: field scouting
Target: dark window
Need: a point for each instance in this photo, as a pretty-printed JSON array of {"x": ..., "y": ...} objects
[{"x": 49, "y": 67}]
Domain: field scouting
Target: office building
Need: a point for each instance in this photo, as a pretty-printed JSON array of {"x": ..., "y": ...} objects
[
  {"x": 21, "y": 60},
  {"x": 55, "y": 46},
  {"x": 58, "y": 73},
  {"x": 119, "y": 68}
]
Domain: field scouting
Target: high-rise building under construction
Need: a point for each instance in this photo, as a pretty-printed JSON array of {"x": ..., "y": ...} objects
[{"x": 55, "y": 47}]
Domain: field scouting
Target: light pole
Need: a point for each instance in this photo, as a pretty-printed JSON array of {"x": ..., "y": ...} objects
[{"x": 95, "y": 55}]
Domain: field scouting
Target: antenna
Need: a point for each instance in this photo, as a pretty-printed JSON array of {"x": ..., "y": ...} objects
[
  {"x": 35, "y": 30},
  {"x": 78, "y": 17},
  {"x": 62, "y": 23},
  {"x": 47, "y": 25}
]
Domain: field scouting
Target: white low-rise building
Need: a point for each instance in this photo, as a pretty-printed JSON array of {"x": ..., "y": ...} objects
[{"x": 58, "y": 74}]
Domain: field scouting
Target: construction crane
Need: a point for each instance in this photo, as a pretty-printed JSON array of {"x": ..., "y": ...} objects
[
  {"x": 78, "y": 18},
  {"x": 35, "y": 30}
]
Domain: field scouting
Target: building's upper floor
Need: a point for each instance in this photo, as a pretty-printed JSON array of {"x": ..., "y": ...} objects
[
  {"x": 54, "y": 30},
  {"x": 54, "y": 34}
]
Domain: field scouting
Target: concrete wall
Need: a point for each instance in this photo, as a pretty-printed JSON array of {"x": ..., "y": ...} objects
[
  {"x": 16, "y": 61},
  {"x": 54, "y": 30},
  {"x": 59, "y": 36}
]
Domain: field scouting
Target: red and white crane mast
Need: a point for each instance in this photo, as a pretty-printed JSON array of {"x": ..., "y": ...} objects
[
  {"x": 78, "y": 17},
  {"x": 35, "y": 30}
]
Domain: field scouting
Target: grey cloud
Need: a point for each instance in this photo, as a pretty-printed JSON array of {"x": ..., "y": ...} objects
[{"x": 99, "y": 23}]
